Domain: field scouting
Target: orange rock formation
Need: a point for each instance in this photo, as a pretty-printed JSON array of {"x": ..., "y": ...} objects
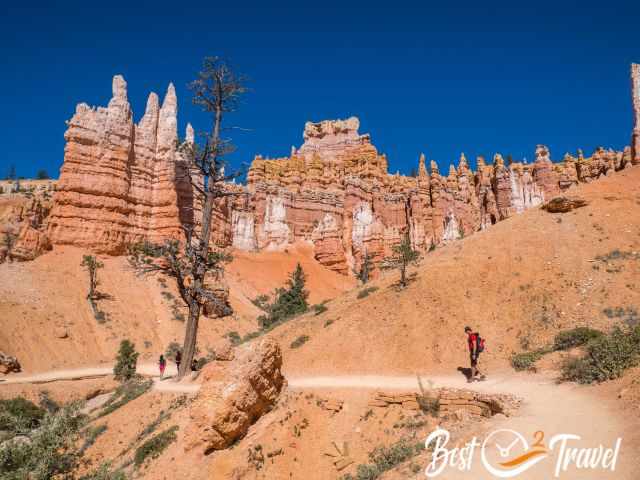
[{"x": 122, "y": 183}]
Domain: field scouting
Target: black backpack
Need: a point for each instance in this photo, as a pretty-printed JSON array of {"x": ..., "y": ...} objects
[{"x": 479, "y": 343}]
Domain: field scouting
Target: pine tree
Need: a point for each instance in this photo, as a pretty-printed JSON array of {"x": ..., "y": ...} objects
[
  {"x": 289, "y": 301},
  {"x": 92, "y": 264},
  {"x": 365, "y": 269},
  {"x": 403, "y": 256},
  {"x": 126, "y": 361}
]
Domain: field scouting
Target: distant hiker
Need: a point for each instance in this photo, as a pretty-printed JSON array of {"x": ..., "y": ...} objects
[
  {"x": 476, "y": 346},
  {"x": 178, "y": 359},
  {"x": 162, "y": 363}
]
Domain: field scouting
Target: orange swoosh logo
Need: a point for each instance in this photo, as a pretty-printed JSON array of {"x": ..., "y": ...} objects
[{"x": 523, "y": 458}]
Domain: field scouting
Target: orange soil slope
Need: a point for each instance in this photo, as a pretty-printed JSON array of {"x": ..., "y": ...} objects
[
  {"x": 518, "y": 283},
  {"x": 42, "y": 300}
]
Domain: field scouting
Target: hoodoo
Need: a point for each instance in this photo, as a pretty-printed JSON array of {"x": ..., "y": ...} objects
[{"x": 121, "y": 183}]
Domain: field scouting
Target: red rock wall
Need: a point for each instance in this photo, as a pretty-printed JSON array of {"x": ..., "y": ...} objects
[
  {"x": 118, "y": 181},
  {"x": 121, "y": 183}
]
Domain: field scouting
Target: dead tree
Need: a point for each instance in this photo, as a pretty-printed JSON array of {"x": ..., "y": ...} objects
[{"x": 217, "y": 90}]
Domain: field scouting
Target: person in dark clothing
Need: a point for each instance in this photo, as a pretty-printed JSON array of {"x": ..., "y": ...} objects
[
  {"x": 194, "y": 365},
  {"x": 178, "y": 359},
  {"x": 474, "y": 342}
]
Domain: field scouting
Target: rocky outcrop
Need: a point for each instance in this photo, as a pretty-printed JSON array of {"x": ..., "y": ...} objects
[
  {"x": 121, "y": 183},
  {"x": 23, "y": 229},
  {"x": 118, "y": 183},
  {"x": 335, "y": 192},
  {"x": 635, "y": 98},
  {"x": 220, "y": 415},
  {"x": 9, "y": 364}
]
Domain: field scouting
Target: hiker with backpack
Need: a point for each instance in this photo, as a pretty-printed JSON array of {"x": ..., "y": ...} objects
[{"x": 476, "y": 347}]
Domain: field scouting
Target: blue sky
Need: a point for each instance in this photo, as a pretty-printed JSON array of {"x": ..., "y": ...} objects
[{"x": 477, "y": 77}]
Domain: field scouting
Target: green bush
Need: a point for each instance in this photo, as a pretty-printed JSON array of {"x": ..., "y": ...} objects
[
  {"x": 50, "y": 450},
  {"x": 575, "y": 337},
  {"x": 91, "y": 434},
  {"x": 289, "y": 301},
  {"x": 105, "y": 473},
  {"x": 301, "y": 340},
  {"x": 125, "y": 393},
  {"x": 19, "y": 415},
  {"x": 126, "y": 361},
  {"x": 607, "y": 357},
  {"x": 581, "y": 370},
  {"x": 234, "y": 337},
  {"x": 366, "y": 292},
  {"x": 384, "y": 459},
  {"x": 319, "y": 308},
  {"x": 153, "y": 447},
  {"x": 525, "y": 360}
]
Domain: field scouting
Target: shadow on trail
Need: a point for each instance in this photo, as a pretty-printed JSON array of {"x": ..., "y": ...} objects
[{"x": 465, "y": 371}]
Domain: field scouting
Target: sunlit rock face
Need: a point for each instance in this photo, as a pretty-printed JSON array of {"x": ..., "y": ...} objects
[
  {"x": 118, "y": 181},
  {"x": 123, "y": 182},
  {"x": 335, "y": 192},
  {"x": 635, "y": 96}
]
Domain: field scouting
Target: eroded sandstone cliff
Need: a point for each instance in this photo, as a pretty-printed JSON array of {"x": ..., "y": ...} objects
[
  {"x": 122, "y": 182},
  {"x": 335, "y": 192},
  {"x": 635, "y": 98}
]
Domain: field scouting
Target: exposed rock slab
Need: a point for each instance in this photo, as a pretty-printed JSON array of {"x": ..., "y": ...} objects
[{"x": 251, "y": 386}]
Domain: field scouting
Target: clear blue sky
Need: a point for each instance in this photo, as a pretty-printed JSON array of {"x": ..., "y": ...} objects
[{"x": 443, "y": 78}]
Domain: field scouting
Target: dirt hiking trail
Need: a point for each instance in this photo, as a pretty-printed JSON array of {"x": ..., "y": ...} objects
[{"x": 547, "y": 406}]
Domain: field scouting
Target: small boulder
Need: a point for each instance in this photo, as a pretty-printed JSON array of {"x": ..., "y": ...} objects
[
  {"x": 9, "y": 364},
  {"x": 60, "y": 332},
  {"x": 224, "y": 351},
  {"x": 221, "y": 414},
  {"x": 564, "y": 204}
]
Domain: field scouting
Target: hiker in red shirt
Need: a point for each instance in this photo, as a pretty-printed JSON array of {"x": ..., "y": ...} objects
[{"x": 476, "y": 346}]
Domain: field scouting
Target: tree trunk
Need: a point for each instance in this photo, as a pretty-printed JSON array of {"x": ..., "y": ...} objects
[
  {"x": 403, "y": 269},
  {"x": 190, "y": 338}
]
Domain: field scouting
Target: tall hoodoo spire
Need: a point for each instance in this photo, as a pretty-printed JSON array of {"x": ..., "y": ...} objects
[
  {"x": 422, "y": 168},
  {"x": 635, "y": 96}
]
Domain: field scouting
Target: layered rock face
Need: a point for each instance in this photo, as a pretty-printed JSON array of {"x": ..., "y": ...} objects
[
  {"x": 229, "y": 402},
  {"x": 335, "y": 192},
  {"x": 635, "y": 97},
  {"x": 120, "y": 182}
]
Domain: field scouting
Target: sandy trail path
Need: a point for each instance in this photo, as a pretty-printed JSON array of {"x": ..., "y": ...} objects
[{"x": 549, "y": 407}]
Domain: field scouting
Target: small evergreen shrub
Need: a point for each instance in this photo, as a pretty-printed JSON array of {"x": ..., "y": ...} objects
[
  {"x": 126, "y": 361},
  {"x": 384, "y": 459},
  {"x": 50, "y": 451},
  {"x": 91, "y": 434},
  {"x": 105, "y": 473},
  {"x": 18, "y": 415},
  {"x": 234, "y": 337},
  {"x": 366, "y": 292},
  {"x": 608, "y": 356},
  {"x": 125, "y": 393},
  {"x": 319, "y": 308},
  {"x": 575, "y": 337},
  {"x": 525, "y": 360},
  {"x": 154, "y": 447},
  {"x": 289, "y": 301},
  {"x": 301, "y": 340}
]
